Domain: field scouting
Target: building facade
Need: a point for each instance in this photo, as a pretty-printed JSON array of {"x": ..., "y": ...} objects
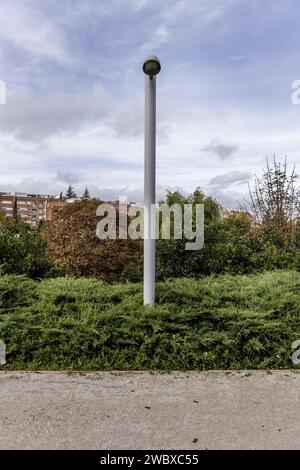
[{"x": 30, "y": 208}]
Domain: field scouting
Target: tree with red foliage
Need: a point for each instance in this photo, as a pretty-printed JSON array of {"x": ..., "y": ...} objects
[{"x": 74, "y": 245}]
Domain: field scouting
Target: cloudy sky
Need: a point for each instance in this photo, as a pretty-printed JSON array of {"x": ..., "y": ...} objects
[{"x": 74, "y": 110}]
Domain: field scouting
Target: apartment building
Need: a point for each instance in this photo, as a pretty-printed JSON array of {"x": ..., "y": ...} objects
[{"x": 31, "y": 208}]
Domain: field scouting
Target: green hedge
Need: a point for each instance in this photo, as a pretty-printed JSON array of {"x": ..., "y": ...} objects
[{"x": 227, "y": 322}]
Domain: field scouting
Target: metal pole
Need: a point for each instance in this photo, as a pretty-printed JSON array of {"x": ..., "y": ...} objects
[{"x": 149, "y": 191}]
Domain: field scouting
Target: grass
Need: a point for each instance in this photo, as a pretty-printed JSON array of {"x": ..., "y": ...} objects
[{"x": 228, "y": 322}]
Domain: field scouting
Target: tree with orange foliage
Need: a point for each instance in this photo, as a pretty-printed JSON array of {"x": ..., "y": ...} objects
[{"x": 74, "y": 245}]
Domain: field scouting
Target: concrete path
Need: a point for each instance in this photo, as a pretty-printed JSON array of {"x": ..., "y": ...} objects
[{"x": 213, "y": 410}]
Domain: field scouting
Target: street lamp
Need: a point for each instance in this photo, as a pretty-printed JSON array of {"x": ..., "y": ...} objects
[{"x": 151, "y": 68}]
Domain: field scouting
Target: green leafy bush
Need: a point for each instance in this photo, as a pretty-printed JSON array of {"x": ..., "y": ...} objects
[
  {"x": 232, "y": 245},
  {"x": 23, "y": 251}
]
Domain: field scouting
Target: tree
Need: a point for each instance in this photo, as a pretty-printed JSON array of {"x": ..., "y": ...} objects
[
  {"x": 86, "y": 194},
  {"x": 15, "y": 209},
  {"x": 70, "y": 193},
  {"x": 173, "y": 260},
  {"x": 275, "y": 200},
  {"x": 73, "y": 244}
]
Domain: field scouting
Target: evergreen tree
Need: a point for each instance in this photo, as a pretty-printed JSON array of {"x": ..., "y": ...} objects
[
  {"x": 70, "y": 193},
  {"x": 86, "y": 194},
  {"x": 15, "y": 209}
]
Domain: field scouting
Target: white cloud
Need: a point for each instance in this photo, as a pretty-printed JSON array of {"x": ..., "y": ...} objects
[
  {"x": 232, "y": 177},
  {"x": 36, "y": 117},
  {"x": 182, "y": 16},
  {"x": 229, "y": 199},
  {"x": 24, "y": 25}
]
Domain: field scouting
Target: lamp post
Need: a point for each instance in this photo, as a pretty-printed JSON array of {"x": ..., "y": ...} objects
[{"x": 151, "y": 68}]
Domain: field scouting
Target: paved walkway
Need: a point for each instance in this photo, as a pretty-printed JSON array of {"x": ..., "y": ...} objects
[{"x": 213, "y": 410}]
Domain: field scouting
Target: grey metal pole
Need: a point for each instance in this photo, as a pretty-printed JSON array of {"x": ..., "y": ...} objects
[{"x": 149, "y": 191}]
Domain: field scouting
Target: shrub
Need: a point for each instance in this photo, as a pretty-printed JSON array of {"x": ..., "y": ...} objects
[
  {"x": 229, "y": 322},
  {"x": 23, "y": 251}
]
